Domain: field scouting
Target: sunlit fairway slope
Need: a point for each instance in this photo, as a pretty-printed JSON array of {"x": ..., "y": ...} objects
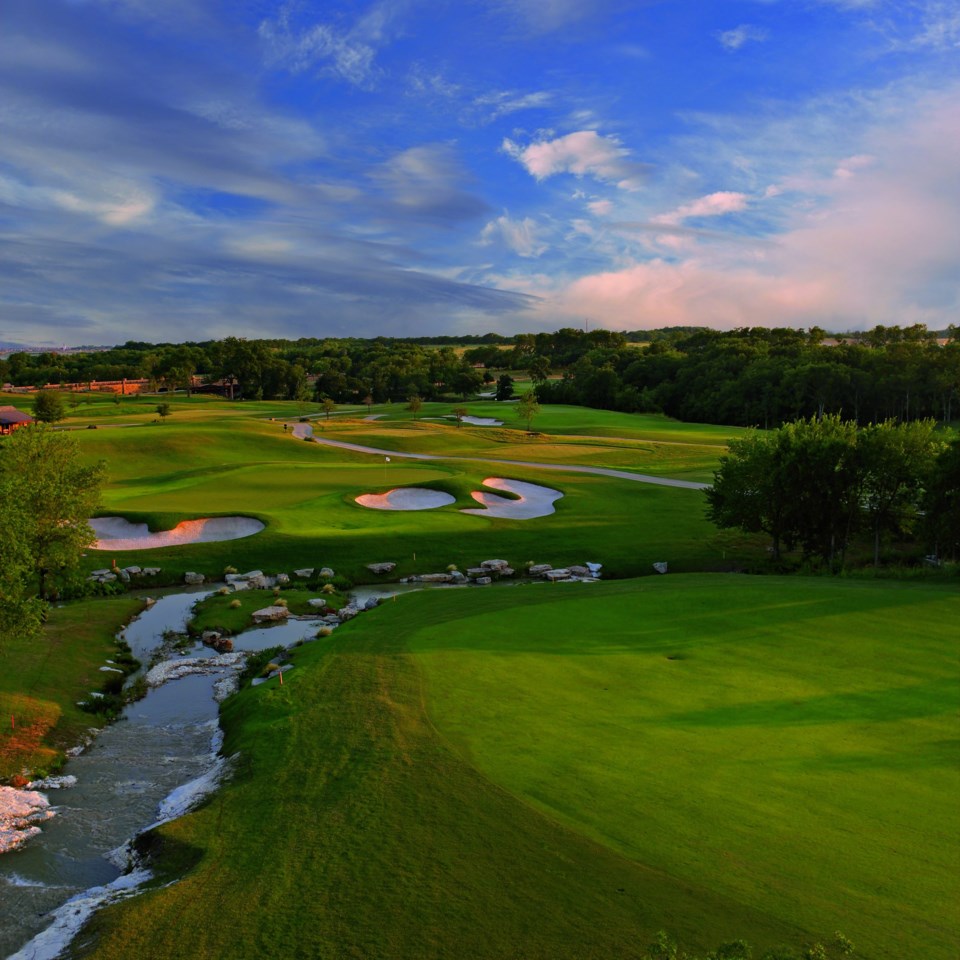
[
  {"x": 791, "y": 744},
  {"x": 562, "y": 770},
  {"x": 163, "y": 473}
]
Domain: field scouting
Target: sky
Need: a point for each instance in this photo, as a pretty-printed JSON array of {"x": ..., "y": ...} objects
[{"x": 177, "y": 170}]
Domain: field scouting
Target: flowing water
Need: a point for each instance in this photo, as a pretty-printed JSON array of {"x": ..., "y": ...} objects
[{"x": 160, "y": 742}]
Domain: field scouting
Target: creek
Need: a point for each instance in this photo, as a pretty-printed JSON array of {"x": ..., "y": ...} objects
[{"x": 161, "y": 742}]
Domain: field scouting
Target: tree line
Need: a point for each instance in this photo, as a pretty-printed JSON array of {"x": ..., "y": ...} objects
[
  {"x": 817, "y": 484},
  {"x": 755, "y": 376},
  {"x": 764, "y": 377}
]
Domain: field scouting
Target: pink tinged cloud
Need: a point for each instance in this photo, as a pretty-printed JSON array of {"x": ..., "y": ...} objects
[
  {"x": 583, "y": 153},
  {"x": 875, "y": 241}
]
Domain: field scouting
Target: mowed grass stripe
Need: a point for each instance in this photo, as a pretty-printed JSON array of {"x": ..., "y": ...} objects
[
  {"x": 352, "y": 830},
  {"x": 790, "y": 743}
]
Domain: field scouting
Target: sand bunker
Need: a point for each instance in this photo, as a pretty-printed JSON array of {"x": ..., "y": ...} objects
[
  {"x": 115, "y": 533},
  {"x": 535, "y": 501},
  {"x": 406, "y": 498}
]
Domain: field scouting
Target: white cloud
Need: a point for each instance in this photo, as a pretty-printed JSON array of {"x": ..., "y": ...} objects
[
  {"x": 502, "y": 103},
  {"x": 583, "y": 153},
  {"x": 734, "y": 39},
  {"x": 712, "y": 205},
  {"x": 872, "y": 239},
  {"x": 523, "y": 237},
  {"x": 600, "y": 208}
]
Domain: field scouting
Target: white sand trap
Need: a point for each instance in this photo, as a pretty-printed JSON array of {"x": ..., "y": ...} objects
[
  {"x": 115, "y": 533},
  {"x": 535, "y": 501},
  {"x": 482, "y": 421},
  {"x": 406, "y": 498}
]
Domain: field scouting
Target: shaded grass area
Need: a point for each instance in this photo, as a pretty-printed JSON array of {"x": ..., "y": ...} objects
[
  {"x": 353, "y": 830},
  {"x": 42, "y": 681},
  {"x": 793, "y": 744}
]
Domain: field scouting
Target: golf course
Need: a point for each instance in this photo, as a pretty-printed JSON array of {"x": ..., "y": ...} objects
[{"x": 526, "y": 769}]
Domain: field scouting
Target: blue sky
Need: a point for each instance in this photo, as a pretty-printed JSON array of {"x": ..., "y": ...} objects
[{"x": 191, "y": 169}]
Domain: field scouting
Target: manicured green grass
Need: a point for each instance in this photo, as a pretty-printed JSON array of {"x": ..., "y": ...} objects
[
  {"x": 42, "y": 681},
  {"x": 305, "y": 493},
  {"x": 793, "y": 740},
  {"x": 539, "y": 779}
]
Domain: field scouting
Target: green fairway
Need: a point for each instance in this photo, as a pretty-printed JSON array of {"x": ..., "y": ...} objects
[
  {"x": 305, "y": 494},
  {"x": 795, "y": 741},
  {"x": 563, "y": 770}
]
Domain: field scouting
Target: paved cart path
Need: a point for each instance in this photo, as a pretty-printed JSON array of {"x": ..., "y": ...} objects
[{"x": 305, "y": 431}]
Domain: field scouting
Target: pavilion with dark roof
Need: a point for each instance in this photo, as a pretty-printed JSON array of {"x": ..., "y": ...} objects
[{"x": 12, "y": 419}]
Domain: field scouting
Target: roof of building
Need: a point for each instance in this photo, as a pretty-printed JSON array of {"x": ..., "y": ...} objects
[{"x": 13, "y": 415}]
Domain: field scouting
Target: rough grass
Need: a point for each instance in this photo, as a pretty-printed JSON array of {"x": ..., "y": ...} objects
[{"x": 42, "y": 681}]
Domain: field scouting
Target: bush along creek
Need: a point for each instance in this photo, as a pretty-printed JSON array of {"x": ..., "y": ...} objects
[{"x": 74, "y": 842}]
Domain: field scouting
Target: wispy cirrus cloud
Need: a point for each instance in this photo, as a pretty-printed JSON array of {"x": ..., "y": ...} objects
[
  {"x": 582, "y": 153},
  {"x": 293, "y": 43},
  {"x": 524, "y": 237},
  {"x": 739, "y": 36}
]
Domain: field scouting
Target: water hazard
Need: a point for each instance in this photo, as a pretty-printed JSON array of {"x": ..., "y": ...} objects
[{"x": 161, "y": 742}]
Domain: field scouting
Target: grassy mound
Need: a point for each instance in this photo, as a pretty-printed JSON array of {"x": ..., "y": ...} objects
[{"x": 559, "y": 771}]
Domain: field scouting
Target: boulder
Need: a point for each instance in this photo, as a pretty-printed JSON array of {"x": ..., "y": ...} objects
[
  {"x": 327, "y": 572},
  {"x": 539, "y": 569},
  {"x": 270, "y": 614},
  {"x": 347, "y": 613},
  {"x": 124, "y": 576},
  {"x": 474, "y": 572},
  {"x": 381, "y": 567},
  {"x": 150, "y": 571},
  {"x": 193, "y": 578},
  {"x": 133, "y": 571},
  {"x": 561, "y": 574},
  {"x": 483, "y": 581},
  {"x": 250, "y": 575},
  {"x": 436, "y": 577},
  {"x": 494, "y": 566},
  {"x": 457, "y": 577},
  {"x": 282, "y": 579},
  {"x": 371, "y": 603},
  {"x": 507, "y": 572},
  {"x": 259, "y": 582},
  {"x": 317, "y": 603},
  {"x": 107, "y": 578},
  {"x": 578, "y": 571},
  {"x": 304, "y": 574},
  {"x": 661, "y": 566},
  {"x": 100, "y": 573},
  {"x": 594, "y": 568}
]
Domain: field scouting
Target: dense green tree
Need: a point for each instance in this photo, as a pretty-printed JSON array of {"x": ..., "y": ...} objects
[
  {"x": 20, "y": 611},
  {"x": 941, "y": 503},
  {"x": 163, "y": 410},
  {"x": 504, "y": 387},
  {"x": 56, "y": 496},
  {"x": 896, "y": 459},
  {"x": 459, "y": 413},
  {"x": 749, "y": 492},
  {"x": 49, "y": 406},
  {"x": 414, "y": 404}
]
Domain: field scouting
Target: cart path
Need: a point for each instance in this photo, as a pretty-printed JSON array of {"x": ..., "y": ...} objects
[{"x": 300, "y": 432}]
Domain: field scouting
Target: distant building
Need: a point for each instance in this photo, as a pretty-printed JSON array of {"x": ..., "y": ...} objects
[{"x": 12, "y": 419}]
